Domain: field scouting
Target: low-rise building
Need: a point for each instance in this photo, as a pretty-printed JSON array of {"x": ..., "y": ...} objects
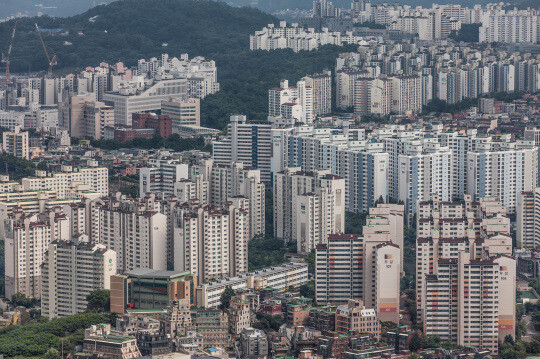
[
  {"x": 101, "y": 341},
  {"x": 254, "y": 343}
]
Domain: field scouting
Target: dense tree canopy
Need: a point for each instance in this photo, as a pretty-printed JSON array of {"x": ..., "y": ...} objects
[
  {"x": 33, "y": 340},
  {"x": 99, "y": 299}
]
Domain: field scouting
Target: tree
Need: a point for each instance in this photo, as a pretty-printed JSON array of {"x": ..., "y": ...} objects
[
  {"x": 20, "y": 299},
  {"x": 42, "y": 166},
  {"x": 308, "y": 290},
  {"x": 99, "y": 299},
  {"x": 509, "y": 354},
  {"x": 52, "y": 353},
  {"x": 310, "y": 260},
  {"x": 226, "y": 296},
  {"x": 415, "y": 344}
]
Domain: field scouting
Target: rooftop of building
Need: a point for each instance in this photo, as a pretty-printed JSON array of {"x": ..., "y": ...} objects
[{"x": 147, "y": 272}]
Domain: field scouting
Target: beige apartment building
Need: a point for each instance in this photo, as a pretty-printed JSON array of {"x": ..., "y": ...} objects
[
  {"x": 27, "y": 239},
  {"x": 308, "y": 206},
  {"x": 72, "y": 270},
  {"x": 182, "y": 112},
  {"x": 464, "y": 266},
  {"x": 364, "y": 266},
  {"x": 354, "y": 317},
  {"x": 15, "y": 143},
  {"x": 93, "y": 178},
  {"x": 211, "y": 242}
]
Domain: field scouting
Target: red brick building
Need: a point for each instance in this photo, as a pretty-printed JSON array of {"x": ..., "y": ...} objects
[{"x": 161, "y": 124}]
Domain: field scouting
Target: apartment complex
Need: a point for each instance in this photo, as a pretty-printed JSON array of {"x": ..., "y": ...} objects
[
  {"x": 27, "y": 239},
  {"x": 134, "y": 229},
  {"x": 292, "y": 101},
  {"x": 463, "y": 269},
  {"x": 366, "y": 266},
  {"x": 308, "y": 206},
  {"x": 408, "y": 164},
  {"x": 211, "y": 242},
  {"x": 70, "y": 271},
  {"x": 249, "y": 143},
  {"x": 91, "y": 178},
  {"x": 16, "y": 143}
]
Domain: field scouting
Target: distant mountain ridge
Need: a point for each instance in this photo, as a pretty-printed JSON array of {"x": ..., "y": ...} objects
[{"x": 46, "y": 7}]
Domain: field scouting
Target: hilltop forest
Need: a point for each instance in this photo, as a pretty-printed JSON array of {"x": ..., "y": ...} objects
[{"x": 128, "y": 30}]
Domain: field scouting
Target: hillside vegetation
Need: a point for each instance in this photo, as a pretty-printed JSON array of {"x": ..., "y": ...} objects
[
  {"x": 137, "y": 29},
  {"x": 128, "y": 30}
]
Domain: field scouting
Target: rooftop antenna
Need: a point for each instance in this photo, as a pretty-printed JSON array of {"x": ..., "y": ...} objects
[{"x": 6, "y": 57}]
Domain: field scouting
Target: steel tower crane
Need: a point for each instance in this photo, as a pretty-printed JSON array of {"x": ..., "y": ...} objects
[
  {"x": 6, "y": 57},
  {"x": 52, "y": 61}
]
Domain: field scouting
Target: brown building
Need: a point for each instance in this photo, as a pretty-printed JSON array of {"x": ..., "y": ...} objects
[
  {"x": 150, "y": 289},
  {"x": 354, "y": 317},
  {"x": 297, "y": 314},
  {"x": 161, "y": 124}
]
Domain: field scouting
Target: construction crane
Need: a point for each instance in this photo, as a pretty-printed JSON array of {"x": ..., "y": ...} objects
[
  {"x": 52, "y": 61},
  {"x": 6, "y": 57}
]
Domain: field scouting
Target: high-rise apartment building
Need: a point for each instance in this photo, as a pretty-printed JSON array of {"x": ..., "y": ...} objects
[
  {"x": 27, "y": 238},
  {"x": 308, "y": 206},
  {"x": 526, "y": 219},
  {"x": 16, "y": 143},
  {"x": 242, "y": 186},
  {"x": 424, "y": 171},
  {"x": 459, "y": 285},
  {"x": 135, "y": 230},
  {"x": 321, "y": 85},
  {"x": 366, "y": 266},
  {"x": 292, "y": 101},
  {"x": 71, "y": 271},
  {"x": 503, "y": 173},
  {"x": 249, "y": 143},
  {"x": 211, "y": 242},
  {"x": 470, "y": 301}
]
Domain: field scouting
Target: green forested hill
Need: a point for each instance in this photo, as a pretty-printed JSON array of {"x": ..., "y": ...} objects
[{"x": 128, "y": 30}]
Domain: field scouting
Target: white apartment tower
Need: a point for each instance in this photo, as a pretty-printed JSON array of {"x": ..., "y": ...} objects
[
  {"x": 249, "y": 143},
  {"x": 308, "y": 206},
  {"x": 27, "y": 238},
  {"x": 135, "y": 230},
  {"x": 71, "y": 271},
  {"x": 503, "y": 173},
  {"x": 211, "y": 242},
  {"x": 321, "y": 85},
  {"x": 462, "y": 248},
  {"x": 296, "y": 101}
]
